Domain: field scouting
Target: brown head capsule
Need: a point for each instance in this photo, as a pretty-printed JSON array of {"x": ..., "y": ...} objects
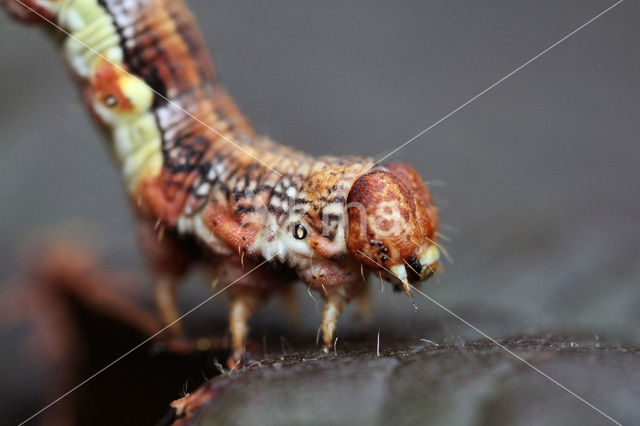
[{"x": 393, "y": 224}]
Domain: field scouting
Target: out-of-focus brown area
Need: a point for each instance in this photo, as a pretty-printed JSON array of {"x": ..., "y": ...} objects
[{"x": 80, "y": 318}]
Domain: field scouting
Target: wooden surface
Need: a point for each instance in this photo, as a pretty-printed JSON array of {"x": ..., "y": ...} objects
[{"x": 468, "y": 383}]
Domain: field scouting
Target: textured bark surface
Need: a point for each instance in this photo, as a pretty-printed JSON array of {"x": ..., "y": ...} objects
[
  {"x": 81, "y": 324},
  {"x": 418, "y": 383}
]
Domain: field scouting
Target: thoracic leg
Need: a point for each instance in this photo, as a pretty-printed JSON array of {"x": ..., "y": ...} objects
[
  {"x": 364, "y": 304},
  {"x": 168, "y": 262},
  {"x": 165, "y": 294},
  {"x": 333, "y": 307},
  {"x": 243, "y": 304}
]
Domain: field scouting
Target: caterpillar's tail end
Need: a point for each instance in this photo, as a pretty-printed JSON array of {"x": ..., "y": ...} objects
[{"x": 32, "y": 10}]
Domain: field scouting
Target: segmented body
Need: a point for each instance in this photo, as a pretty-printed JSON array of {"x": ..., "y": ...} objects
[
  {"x": 192, "y": 163},
  {"x": 210, "y": 176}
]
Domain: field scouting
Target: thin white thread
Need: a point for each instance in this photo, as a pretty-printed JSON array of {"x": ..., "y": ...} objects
[
  {"x": 516, "y": 355},
  {"x": 497, "y": 82},
  {"x": 68, "y": 34},
  {"x": 502, "y": 346},
  {"x": 377, "y": 162},
  {"x": 76, "y": 387}
]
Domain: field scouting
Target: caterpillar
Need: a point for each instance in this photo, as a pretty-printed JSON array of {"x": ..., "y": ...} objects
[{"x": 209, "y": 190}]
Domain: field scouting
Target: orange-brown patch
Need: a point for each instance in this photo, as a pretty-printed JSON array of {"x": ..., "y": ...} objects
[
  {"x": 224, "y": 225},
  {"x": 426, "y": 210},
  {"x": 163, "y": 197},
  {"x": 105, "y": 87},
  {"x": 388, "y": 218}
]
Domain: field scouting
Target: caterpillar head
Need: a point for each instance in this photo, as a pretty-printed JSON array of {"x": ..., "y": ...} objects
[{"x": 393, "y": 224}]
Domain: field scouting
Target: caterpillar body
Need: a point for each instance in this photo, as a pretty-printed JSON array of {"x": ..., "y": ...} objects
[{"x": 197, "y": 172}]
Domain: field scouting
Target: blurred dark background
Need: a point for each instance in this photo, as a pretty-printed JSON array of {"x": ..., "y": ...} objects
[{"x": 537, "y": 180}]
